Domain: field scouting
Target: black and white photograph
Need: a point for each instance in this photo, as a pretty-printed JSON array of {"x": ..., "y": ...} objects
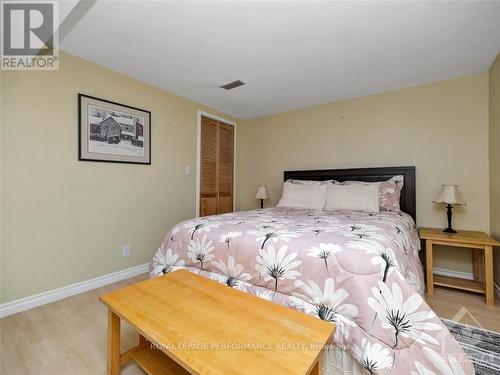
[{"x": 113, "y": 132}]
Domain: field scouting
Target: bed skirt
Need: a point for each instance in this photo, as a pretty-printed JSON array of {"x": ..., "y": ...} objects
[{"x": 337, "y": 361}]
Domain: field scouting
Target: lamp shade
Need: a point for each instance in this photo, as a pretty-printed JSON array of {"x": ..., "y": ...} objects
[
  {"x": 449, "y": 194},
  {"x": 261, "y": 193}
]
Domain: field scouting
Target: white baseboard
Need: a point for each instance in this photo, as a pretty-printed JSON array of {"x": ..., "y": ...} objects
[
  {"x": 462, "y": 275},
  {"x": 43, "y": 298},
  {"x": 447, "y": 272}
]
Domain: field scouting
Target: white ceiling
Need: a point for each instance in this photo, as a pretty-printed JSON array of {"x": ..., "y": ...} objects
[
  {"x": 65, "y": 8},
  {"x": 290, "y": 54}
]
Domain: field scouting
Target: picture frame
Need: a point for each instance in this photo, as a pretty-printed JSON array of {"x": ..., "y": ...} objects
[{"x": 113, "y": 132}]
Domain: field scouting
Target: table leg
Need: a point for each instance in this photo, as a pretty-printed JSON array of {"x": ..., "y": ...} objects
[
  {"x": 478, "y": 261},
  {"x": 113, "y": 343},
  {"x": 428, "y": 267},
  {"x": 488, "y": 272},
  {"x": 317, "y": 367}
]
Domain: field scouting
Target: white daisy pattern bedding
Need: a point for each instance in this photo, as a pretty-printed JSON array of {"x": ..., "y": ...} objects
[{"x": 358, "y": 270}]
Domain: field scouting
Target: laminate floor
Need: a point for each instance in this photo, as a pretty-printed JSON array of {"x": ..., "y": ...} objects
[
  {"x": 69, "y": 336},
  {"x": 66, "y": 337}
]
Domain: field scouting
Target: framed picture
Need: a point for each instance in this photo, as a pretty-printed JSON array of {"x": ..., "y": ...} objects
[{"x": 113, "y": 132}]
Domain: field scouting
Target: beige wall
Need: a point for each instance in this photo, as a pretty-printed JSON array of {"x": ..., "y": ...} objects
[
  {"x": 441, "y": 128},
  {"x": 64, "y": 221},
  {"x": 495, "y": 159},
  {"x": 61, "y": 221},
  {"x": 1, "y": 188}
]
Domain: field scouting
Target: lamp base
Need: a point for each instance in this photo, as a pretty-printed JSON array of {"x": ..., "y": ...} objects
[{"x": 448, "y": 214}]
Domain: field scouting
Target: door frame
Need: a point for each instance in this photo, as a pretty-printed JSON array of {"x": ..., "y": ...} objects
[{"x": 198, "y": 155}]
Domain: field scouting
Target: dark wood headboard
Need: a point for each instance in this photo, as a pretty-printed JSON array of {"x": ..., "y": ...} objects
[{"x": 408, "y": 196}]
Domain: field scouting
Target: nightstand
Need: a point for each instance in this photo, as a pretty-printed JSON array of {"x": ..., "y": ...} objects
[{"x": 482, "y": 246}]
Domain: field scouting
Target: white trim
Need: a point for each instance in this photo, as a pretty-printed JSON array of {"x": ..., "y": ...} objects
[
  {"x": 214, "y": 117},
  {"x": 198, "y": 155},
  {"x": 462, "y": 275},
  {"x": 43, "y": 298},
  {"x": 447, "y": 272}
]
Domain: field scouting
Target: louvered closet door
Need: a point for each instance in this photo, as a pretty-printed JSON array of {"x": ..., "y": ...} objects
[
  {"x": 216, "y": 167},
  {"x": 208, "y": 167},
  {"x": 226, "y": 149}
]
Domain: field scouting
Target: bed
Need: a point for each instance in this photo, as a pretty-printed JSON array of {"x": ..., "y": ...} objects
[{"x": 359, "y": 270}]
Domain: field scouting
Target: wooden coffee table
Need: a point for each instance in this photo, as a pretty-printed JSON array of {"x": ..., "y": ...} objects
[{"x": 188, "y": 324}]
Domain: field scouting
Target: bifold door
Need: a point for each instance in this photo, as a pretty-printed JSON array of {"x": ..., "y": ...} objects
[{"x": 216, "y": 167}]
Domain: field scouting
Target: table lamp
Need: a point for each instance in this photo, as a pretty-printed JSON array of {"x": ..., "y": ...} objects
[
  {"x": 450, "y": 196},
  {"x": 261, "y": 194}
]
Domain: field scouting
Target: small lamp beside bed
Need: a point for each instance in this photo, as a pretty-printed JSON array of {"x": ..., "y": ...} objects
[
  {"x": 450, "y": 196},
  {"x": 261, "y": 194}
]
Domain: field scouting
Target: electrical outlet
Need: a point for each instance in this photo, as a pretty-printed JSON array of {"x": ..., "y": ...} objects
[
  {"x": 188, "y": 170},
  {"x": 126, "y": 250}
]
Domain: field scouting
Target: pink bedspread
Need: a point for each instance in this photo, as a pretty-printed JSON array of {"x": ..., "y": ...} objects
[{"x": 356, "y": 269}]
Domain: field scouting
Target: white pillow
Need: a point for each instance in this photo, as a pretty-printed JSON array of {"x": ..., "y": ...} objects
[
  {"x": 353, "y": 198},
  {"x": 311, "y": 197}
]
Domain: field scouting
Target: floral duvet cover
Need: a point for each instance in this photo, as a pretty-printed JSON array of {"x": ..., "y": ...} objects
[{"x": 359, "y": 270}]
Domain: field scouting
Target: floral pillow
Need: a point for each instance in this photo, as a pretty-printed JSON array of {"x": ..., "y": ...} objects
[{"x": 390, "y": 191}]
